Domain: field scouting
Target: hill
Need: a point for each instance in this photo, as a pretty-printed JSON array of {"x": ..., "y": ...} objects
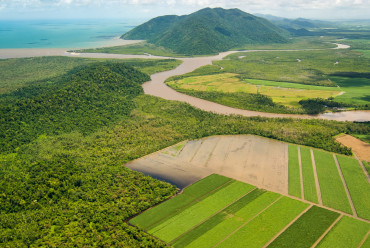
[{"x": 208, "y": 31}]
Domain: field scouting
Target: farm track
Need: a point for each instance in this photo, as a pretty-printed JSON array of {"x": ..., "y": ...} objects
[
  {"x": 300, "y": 171},
  {"x": 248, "y": 221},
  {"x": 327, "y": 231},
  {"x": 287, "y": 226},
  {"x": 345, "y": 186},
  {"x": 212, "y": 215},
  {"x": 318, "y": 190}
]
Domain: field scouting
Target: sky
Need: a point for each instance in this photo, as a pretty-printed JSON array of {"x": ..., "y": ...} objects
[{"x": 146, "y": 9}]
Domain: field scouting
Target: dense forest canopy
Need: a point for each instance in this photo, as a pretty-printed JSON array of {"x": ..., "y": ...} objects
[
  {"x": 208, "y": 31},
  {"x": 65, "y": 140}
]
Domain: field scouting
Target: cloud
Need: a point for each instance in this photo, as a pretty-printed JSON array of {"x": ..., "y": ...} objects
[{"x": 277, "y": 7}]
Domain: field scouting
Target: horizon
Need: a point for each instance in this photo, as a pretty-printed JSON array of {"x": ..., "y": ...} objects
[{"x": 340, "y": 10}]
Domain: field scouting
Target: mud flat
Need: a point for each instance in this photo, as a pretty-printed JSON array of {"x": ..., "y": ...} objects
[
  {"x": 360, "y": 148},
  {"x": 255, "y": 160}
]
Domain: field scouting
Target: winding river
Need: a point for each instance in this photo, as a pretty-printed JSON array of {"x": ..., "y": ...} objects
[{"x": 157, "y": 87}]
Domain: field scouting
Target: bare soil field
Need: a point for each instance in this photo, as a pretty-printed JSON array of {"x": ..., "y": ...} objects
[
  {"x": 255, "y": 160},
  {"x": 360, "y": 148}
]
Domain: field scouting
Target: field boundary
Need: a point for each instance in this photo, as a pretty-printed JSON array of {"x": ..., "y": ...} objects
[
  {"x": 345, "y": 186},
  {"x": 318, "y": 190},
  {"x": 287, "y": 226},
  {"x": 185, "y": 206},
  {"x": 363, "y": 168},
  {"x": 327, "y": 231},
  {"x": 300, "y": 171},
  {"x": 255, "y": 188},
  {"x": 364, "y": 239},
  {"x": 272, "y": 203}
]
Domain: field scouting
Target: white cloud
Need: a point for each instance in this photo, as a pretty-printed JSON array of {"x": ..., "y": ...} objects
[{"x": 276, "y": 7}]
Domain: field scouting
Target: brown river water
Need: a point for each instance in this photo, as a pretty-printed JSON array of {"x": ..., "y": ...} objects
[{"x": 157, "y": 87}]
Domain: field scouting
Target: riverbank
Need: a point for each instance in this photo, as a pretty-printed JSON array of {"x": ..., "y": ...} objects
[{"x": 158, "y": 88}]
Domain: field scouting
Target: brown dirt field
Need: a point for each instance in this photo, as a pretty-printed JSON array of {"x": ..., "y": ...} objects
[
  {"x": 259, "y": 161},
  {"x": 360, "y": 148}
]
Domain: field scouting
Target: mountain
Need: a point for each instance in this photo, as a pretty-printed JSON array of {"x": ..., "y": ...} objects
[{"x": 208, "y": 31}]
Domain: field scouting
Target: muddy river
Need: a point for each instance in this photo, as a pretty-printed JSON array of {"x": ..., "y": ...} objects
[{"x": 157, "y": 87}]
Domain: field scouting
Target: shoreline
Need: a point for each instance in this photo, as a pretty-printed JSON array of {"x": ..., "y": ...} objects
[{"x": 11, "y": 53}]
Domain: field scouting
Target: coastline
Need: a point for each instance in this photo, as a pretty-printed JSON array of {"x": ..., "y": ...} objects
[{"x": 9, "y": 53}]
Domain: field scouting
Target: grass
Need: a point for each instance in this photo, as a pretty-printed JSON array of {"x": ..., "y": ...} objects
[
  {"x": 294, "y": 172},
  {"x": 363, "y": 137},
  {"x": 283, "y": 93},
  {"x": 348, "y": 232},
  {"x": 332, "y": 190},
  {"x": 315, "y": 67},
  {"x": 295, "y": 43},
  {"x": 309, "y": 184},
  {"x": 141, "y": 48},
  {"x": 357, "y": 90},
  {"x": 358, "y": 186},
  {"x": 199, "y": 212},
  {"x": 367, "y": 166},
  {"x": 174, "y": 205},
  {"x": 307, "y": 229},
  {"x": 266, "y": 225},
  {"x": 219, "y": 226},
  {"x": 17, "y": 73}
]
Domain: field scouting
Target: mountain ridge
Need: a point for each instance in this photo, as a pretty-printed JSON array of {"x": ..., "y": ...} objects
[{"x": 208, "y": 31}]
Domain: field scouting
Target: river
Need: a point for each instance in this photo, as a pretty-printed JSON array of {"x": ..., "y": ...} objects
[{"x": 157, "y": 87}]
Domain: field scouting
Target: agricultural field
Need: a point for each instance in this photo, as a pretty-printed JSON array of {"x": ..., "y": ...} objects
[
  {"x": 342, "y": 182},
  {"x": 283, "y": 93},
  {"x": 229, "y": 213}
]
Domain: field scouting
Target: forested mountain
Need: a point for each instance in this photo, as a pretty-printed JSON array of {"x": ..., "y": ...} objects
[{"x": 208, "y": 31}]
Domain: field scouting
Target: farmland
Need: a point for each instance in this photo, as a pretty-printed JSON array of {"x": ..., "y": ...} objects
[
  {"x": 332, "y": 189},
  {"x": 282, "y": 93},
  {"x": 239, "y": 215}
]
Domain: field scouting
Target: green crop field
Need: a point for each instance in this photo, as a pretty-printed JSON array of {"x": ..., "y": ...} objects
[
  {"x": 307, "y": 229},
  {"x": 228, "y": 213},
  {"x": 357, "y": 184},
  {"x": 265, "y": 226},
  {"x": 348, "y": 232},
  {"x": 194, "y": 215},
  {"x": 219, "y": 226},
  {"x": 294, "y": 172},
  {"x": 309, "y": 185},
  {"x": 332, "y": 190},
  {"x": 190, "y": 195}
]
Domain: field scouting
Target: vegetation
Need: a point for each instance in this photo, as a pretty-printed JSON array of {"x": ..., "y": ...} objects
[
  {"x": 304, "y": 67},
  {"x": 357, "y": 184},
  {"x": 17, "y": 73},
  {"x": 190, "y": 195},
  {"x": 319, "y": 105},
  {"x": 208, "y": 31},
  {"x": 207, "y": 230},
  {"x": 309, "y": 185},
  {"x": 294, "y": 172},
  {"x": 307, "y": 229},
  {"x": 67, "y": 186},
  {"x": 142, "y": 48},
  {"x": 201, "y": 211},
  {"x": 332, "y": 189},
  {"x": 266, "y": 225},
  {"x": 348, "y": 232}
]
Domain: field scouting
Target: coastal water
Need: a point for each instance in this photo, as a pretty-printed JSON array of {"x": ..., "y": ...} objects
[{"x": 62, "y": 33}]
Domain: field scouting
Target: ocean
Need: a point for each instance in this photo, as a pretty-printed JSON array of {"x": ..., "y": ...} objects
[{"x": 62, "y": 33}]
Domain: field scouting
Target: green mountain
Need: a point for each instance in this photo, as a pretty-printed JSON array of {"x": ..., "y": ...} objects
[{"x": 208, "y": 31}]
